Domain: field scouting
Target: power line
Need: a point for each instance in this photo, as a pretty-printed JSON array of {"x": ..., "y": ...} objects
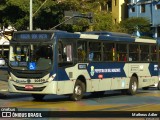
[{"x": 39, "y": 7}]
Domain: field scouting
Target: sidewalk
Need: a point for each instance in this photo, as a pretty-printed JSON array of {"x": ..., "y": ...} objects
[{"x": 3, "y": 83}]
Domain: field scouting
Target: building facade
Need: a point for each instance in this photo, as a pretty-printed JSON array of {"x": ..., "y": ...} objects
[
  {"x": 149, "y": 9},
  {"x": 119, "y": 10}
]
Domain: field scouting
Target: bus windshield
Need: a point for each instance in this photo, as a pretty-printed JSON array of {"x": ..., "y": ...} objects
[{"x": 31, "y": 56}]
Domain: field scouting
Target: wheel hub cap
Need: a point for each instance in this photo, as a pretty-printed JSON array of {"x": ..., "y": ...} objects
[
  {"x": 78, "y": 90},
  {"x": 134, "y": 86}
]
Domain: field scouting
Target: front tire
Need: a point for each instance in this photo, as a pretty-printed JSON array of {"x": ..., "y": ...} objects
[
  {"x": 79, "y": 90},
  {"x": 133, "y": 86},
  {"x": 38, "y": 97}
]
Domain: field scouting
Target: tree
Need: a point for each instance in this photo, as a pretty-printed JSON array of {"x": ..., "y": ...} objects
[
  {"x": 2, "y": 7},
  {"x": 103, "y": 21},
  {"x": 16, "y": 13},
  {"x": 131, "y": 24},
  {"x": 55, "y": 15}
]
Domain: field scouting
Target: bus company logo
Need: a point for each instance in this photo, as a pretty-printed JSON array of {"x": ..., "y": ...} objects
[{"x": 92, "y": 71}]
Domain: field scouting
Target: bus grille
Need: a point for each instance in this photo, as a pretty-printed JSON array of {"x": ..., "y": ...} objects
[{"x": 34, "y": 89}]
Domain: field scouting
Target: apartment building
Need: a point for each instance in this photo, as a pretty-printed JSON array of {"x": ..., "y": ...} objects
[
  {"x": 149, "y": 9},
  {"x": 119, "y": 10}
]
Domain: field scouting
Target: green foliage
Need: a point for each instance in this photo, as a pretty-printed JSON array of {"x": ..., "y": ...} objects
[
  {"x": 103, "y": 21},
  {"x": 47, "y": 14},
  {"x": 21, "y": 4},
  {"x": 131, "y": 24},
  {"x": 2, "y": 4},
  {"x": 16, "y": 13},
  {"x": 117, "y": 28}
]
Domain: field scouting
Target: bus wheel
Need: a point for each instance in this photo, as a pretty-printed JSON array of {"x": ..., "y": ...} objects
[
  {"x": 78, "y": 91},
  {"x": 145, "y": 88},
  {"x": 38, "y": 97},
  {"x": 158, "y": 87},
  {"x": 133, "y": 86}
]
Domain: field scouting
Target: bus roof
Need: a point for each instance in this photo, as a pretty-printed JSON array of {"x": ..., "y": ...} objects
[
  {"x": 106, "y": 36},
  {"x": 96, "y": 35},
  {"x": 108, "y": 33}
]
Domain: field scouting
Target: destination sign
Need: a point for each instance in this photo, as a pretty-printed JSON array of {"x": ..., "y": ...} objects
[{"x": 32, "y": 36}]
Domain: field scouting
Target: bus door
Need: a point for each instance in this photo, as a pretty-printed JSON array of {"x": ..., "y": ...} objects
[{"x": 65, "y": 64}]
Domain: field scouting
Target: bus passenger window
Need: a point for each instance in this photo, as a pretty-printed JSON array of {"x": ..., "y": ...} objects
[
  {"x": 123, "y": 57},
  {"x": 108, "y": 52},
  {"x": 81, "y": 51},
  {"x": 130, "y": 58},
  {"x": 121, "y": 50},
  {"x": 144, "y": 52},
  {"x": 68, "y": 53},
  {"x": 94, "y": 51},
  {"x": 65, "y": 54},
  {"x": 133, "y": 52},
  {"x": 81, "y": 55},
  {"x": 91, "y": 55},
  {"x": 153, "y": 53},
  {"x": 97, "y": 57}
]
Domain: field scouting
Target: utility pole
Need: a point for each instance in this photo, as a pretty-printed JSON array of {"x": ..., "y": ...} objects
[{"x": 31, "y": 17}]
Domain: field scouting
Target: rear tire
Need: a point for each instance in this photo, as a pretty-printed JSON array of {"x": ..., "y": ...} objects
[
  {"x": 38, "y": 97},
  {"x": 79, "y": 90},
  {"x": 133, "y": 86}
]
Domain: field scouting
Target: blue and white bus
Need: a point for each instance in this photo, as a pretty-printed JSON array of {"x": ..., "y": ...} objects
[{"x": 64, "y": 63}]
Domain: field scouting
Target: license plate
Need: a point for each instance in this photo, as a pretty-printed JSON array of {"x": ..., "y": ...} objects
[{"x": 28, "y": 87}]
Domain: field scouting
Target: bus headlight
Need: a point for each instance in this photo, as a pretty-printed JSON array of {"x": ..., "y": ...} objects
[
  {"x": 51, "y": 77},
  {"x": 10, "y": 78}
]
